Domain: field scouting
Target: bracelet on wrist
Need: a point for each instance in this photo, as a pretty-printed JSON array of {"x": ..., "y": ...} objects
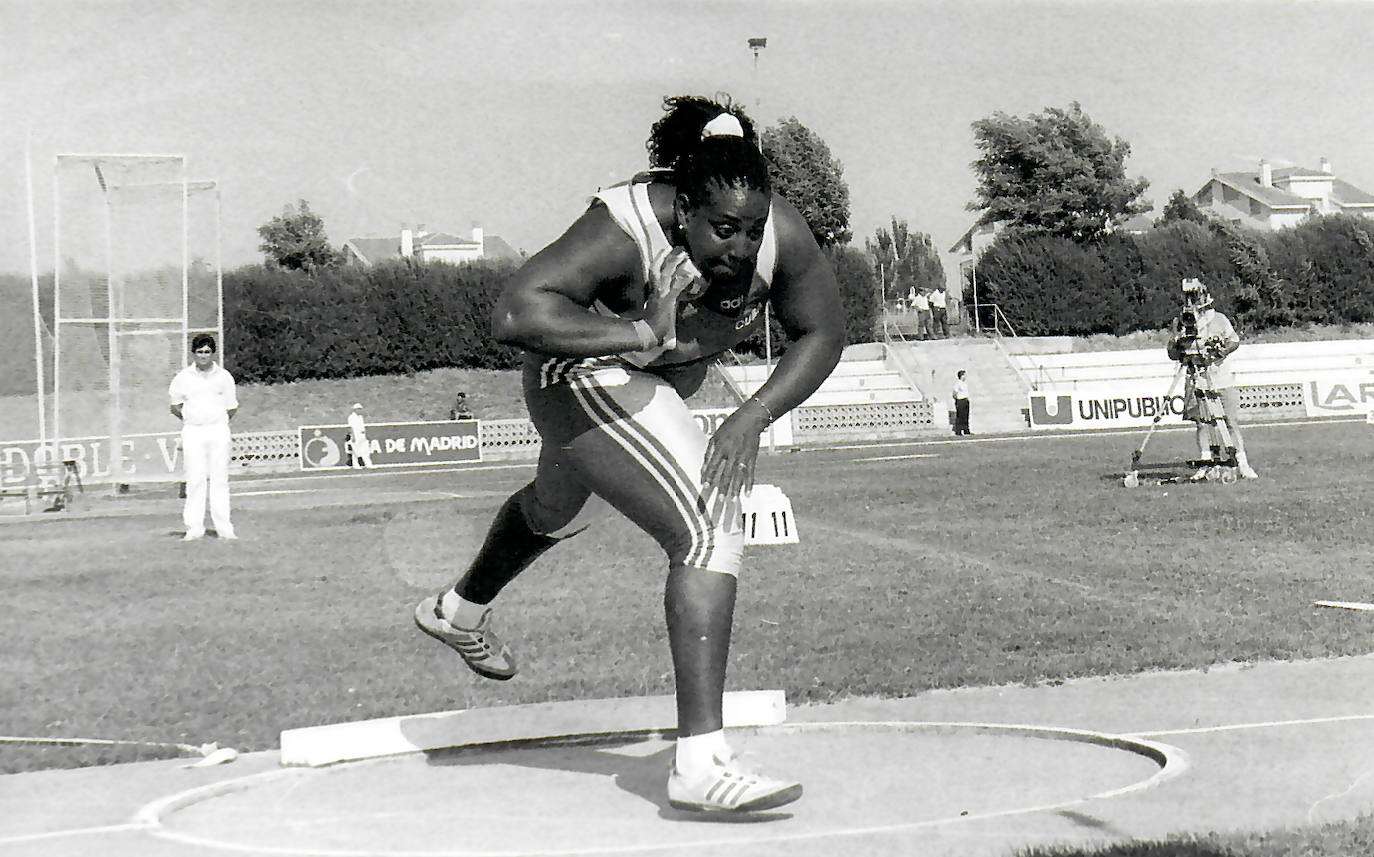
[
  {"x": 647, "y": 339},
  {"x": 766, "y": 410}
]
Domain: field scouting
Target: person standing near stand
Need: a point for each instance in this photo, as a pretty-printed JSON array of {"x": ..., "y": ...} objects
[
  {"x": 357, "y": 435},
  {"x": 204, "y": 399},
  {"x": 939, "y": 312},
  {"x": 960, "y": 394},
  {"x": 922, "y": 304}
]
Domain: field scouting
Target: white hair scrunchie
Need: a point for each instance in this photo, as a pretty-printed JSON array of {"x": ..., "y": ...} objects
[{"x": 724, "y": 125}]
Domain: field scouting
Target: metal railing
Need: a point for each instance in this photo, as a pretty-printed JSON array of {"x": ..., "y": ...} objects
[
  {"x": 899, "y": 356},
  {"x": 999, "y": 319},
  {"x": 729, "y": 356}
]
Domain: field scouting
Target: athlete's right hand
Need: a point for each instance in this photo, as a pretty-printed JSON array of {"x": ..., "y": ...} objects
[{"x": 675, "y": 278}]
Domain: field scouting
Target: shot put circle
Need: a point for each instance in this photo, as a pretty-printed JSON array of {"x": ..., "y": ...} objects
[{"x": 604, "y": 794}]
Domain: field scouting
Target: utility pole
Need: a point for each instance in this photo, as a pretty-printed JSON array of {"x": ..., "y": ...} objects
[{"x": 757, "y": 44}]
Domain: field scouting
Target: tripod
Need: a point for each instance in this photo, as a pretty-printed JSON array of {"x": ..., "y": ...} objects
[{"x": 1222, "y": 466}]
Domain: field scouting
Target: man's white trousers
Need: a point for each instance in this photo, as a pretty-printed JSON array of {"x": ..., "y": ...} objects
[{"x": 206, "y": 452}]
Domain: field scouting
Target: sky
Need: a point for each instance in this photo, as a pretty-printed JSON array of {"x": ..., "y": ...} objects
[{"x": 507, "y": 115}]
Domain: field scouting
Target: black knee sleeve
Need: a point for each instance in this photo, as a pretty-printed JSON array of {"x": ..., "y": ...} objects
[{"x": 509, "y": 548}]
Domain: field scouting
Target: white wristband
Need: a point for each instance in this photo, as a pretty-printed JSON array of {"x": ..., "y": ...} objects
[{"x": 647, "y": 339}]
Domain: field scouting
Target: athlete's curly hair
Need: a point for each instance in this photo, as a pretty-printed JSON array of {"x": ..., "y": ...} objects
[{"x": 675, "y": 143}]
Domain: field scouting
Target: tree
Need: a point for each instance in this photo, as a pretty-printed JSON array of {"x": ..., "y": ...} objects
[
  {"x": 854, "y": 276},
  {"x": 904, "y": 259},
  {"x": 808, "y": 176},
  {"x": 1181, "y": 207},
  {"x": 1257, "y": 292},
  {"x": 295, "y": 239},
  {"x": 1054, "y": 173}
]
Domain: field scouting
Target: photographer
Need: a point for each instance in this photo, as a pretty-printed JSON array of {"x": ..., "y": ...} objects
[{"x": 1203, "y": 339}]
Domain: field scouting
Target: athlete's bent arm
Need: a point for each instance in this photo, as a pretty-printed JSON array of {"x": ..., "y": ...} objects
[
  {"x": 807, "y": 301},
  {"x": 545, "y": 306}
]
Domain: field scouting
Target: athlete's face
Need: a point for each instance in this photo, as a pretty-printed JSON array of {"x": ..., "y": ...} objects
[
  {"x": 203, "y": 357},
  {"x": 724, "y": 232}
]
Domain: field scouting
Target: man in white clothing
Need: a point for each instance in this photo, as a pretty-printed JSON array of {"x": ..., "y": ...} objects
[
  {"x": 1203, "y": 339},
  {"x": 204, "y": 399},
  {"x": 922, "y": 304},
  {"x": 357, "y": 434},
  {"x": 939, "y": 313},
  {"x": 960, "y": 396}
]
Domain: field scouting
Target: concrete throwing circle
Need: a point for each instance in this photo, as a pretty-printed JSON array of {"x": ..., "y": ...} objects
[{"x": 605, "y": 795}]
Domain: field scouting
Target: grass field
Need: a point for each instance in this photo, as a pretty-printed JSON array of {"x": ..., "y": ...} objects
[{"x": 922, "y": 565}]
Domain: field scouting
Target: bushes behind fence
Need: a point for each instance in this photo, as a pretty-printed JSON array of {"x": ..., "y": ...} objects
[
  {"x": 1320, "y": 271},
  {"x": 342, "y": 322}
]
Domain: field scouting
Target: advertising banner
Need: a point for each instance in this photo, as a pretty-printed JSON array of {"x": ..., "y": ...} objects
[
  {"x": 146, "y": 458},
  {"x": 1339, "y": 395},
  {"x": 393, "y": 444},
  {"x": 710, "y": 419},
  {"x": 1116, "y": 404}
]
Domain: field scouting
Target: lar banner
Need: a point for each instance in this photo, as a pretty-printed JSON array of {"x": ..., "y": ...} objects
[
  {"x": 1340, "y": 395},
  {"x": 393, "y": 444}
]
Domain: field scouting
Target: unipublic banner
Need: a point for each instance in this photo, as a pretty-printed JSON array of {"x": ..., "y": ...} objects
[
  {"x": 393, "y": 444},
  {"x": 1101, "y": 406}
]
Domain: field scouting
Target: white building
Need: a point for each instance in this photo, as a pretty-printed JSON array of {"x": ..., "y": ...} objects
[
  {"x": 429, "y": 247},
  {"x": 1272, "y": 199}
]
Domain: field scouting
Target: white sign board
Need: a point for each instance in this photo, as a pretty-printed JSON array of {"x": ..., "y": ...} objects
[{"x": 1117, "y": 404}]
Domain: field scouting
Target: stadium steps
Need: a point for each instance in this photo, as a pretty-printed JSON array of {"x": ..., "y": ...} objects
[
  {"x": 864, "y": 375},
  {"x": 1252, "y": 363},
  {"x": 997, "y": 391}
]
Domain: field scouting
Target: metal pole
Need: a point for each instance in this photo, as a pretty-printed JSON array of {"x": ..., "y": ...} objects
[
  {"x": 114, "y": 290},
  {"x": 757, "y": 44},
  {"x": 37, "y": 315},
  {"x": 57, "y": 301},
  {"x": 973, "y": 278}
]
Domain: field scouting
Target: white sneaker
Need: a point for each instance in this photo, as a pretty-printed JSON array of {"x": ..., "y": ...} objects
[
  {"x": 1202, "y": 473},
  {"x": 193, "y": 537},
  {"x": 1248, "y": 472},
  {"x": 727, "y": 786},
  {"x": 481, "y": 650}
]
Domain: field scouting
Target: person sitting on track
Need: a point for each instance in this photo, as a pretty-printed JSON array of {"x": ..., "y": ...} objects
[
  {"x": 621, "y": 317},
  {"x": 1208, "y": 342}
]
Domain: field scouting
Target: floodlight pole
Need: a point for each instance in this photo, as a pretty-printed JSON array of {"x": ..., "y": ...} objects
[{"x": 757, "y": 44}]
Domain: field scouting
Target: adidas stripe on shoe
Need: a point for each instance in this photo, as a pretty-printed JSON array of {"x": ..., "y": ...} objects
[
  {"x": 727, "y": 786},
  {"x": 480, "y": 648}
]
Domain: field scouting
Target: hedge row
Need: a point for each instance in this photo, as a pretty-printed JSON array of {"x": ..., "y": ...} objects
[
  {"x": 1321, "y": 271},
  {"x": 287, "y": 325}
]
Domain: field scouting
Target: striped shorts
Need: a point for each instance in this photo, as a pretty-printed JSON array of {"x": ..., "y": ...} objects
[{"x": 618, "y": 437}]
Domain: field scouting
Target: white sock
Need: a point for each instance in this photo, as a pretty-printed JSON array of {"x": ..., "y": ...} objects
[
  {"x": 697, "y": 752},
  {"x": 460, "y": 612}
]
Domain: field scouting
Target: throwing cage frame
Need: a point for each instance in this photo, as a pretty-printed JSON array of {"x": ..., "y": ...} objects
[{"x": 137, "y": 274}]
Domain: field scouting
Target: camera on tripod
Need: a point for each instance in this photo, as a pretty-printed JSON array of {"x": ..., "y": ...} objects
[{"x": 1195, "y": 298}]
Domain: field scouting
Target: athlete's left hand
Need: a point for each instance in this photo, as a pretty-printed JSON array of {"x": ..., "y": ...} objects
[{"x": 732, "y": 453}]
